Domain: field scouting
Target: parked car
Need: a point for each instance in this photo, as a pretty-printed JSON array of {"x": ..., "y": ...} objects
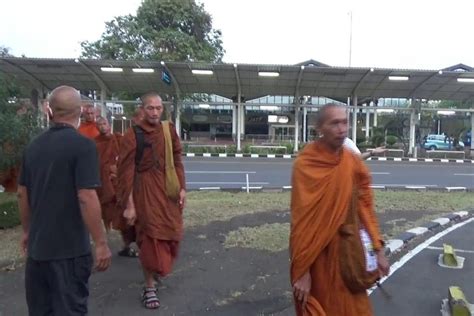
[{"x": 442, "y": 142}]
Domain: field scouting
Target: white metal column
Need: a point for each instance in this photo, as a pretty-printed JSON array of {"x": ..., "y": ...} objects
[
  {"x": 103, "y": 106},
  {"x": 305, "y": 124},
  {"x": 375, "y": 117},
  {"x": 367, "y": 121},
  {"x": 354, "y": 118},
  {"x": 472, "y": 135},
  {"x": 297, "y": 127},
  {"x": 412, "y": 150},
  {"x": 234, "y": 122},
  {"x": 177, "y": 122}
]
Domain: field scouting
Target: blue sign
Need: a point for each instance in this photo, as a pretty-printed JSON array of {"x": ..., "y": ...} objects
[{"x": 165, "y": 76}]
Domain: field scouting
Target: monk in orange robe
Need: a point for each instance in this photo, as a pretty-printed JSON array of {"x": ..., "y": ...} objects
[
  {"x": 323, "y": 177},
  {"x": 142, "y": 195},
  {"x": 108, "y": 149},
  {"x": 88, "y": 128}
]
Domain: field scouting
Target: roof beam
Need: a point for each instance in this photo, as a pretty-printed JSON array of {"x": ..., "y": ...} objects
[
  {"x": 97, "y": 78},
  {"x": 173, "y": 79},
  {"x": 27, "y": 73},
  {"x": 354, "y": 91},
  {"x": 415, "y": 90}
]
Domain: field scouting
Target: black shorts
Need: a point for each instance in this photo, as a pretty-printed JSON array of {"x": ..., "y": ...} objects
[{"x": 58, "y": 287}]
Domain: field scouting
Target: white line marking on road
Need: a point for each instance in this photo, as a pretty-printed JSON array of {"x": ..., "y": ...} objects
[
  {"x": 213, "y": 182},
  {"x": 210, "y": 188},
  {"x": 456, "y": 250},
  {"x": 406, "y": 185},
  {"x": 400, "y": 263},
  {"x": 464, "y": 174},
  {"x": 229, "y": 172}
]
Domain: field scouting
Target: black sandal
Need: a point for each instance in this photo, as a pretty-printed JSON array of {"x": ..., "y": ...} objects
[
  {"x": 128, "y": 252},
  {"x": 149, "y": 298}
]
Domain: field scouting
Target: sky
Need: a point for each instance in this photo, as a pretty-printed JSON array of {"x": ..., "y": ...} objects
[{"x": 409, "y": 34}]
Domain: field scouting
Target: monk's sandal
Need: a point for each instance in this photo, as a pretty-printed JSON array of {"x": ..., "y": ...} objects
[{"x": 149, "y": 298}]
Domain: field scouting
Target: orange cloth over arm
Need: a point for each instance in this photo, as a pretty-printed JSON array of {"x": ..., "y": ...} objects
[
  {"x": 322, "y": 184},
  {"x": 89, "y": 130},
  {"x": 125, "y": 169},
  {"x": 178, "y": 162}
]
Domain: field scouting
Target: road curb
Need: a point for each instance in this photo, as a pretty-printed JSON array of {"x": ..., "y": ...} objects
[
  {"x": 398, "y": 243},
  {"x": 291, "y": 156},
  {"x": 375, "y": 187}
]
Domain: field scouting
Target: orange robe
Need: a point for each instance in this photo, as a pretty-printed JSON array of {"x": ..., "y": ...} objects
[
  {"x": 322, "y": 184},
  {"x": 89, "y": 130},
  {"x": 108, "y": 150},
  {"x": 159, "y": 223}
]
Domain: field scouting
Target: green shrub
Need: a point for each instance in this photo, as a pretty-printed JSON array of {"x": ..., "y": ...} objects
[
  {"x": 9, "y": 213},
  {"x": 391, "y": 140},
  {"x": 377, "y": 140}
]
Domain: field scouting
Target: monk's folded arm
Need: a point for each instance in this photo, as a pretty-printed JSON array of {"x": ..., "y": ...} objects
[{"x": 178, "y": 163}]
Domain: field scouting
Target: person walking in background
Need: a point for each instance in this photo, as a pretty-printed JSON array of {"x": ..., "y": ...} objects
[
  {"x": 330, "y": 187},
  {"x": 108, "y": 147},
  {"x": 88, "y": 128},
  {"x": 59, "y": 208},
  {"x": 149, "y": 152}
]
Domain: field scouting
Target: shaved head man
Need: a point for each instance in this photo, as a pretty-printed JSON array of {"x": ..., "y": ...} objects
[
  {"x": 59, "y": 209},
  {"x": 88, "y": 127}
]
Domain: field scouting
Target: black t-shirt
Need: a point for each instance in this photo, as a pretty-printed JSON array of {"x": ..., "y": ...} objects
[{"x": 55, "y": 166}]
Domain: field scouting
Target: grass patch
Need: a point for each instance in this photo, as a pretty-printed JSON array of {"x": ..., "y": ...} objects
[
  {"x": 9, "y": 214},
  {"x": 270, "y": 237},
  {"x": 205, "y": 207}
]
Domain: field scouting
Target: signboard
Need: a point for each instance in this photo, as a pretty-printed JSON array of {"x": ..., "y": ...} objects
[{"x": 165, "y": 76}]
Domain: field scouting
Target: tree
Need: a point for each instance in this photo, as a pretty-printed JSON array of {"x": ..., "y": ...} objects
[
  {"x": 161, "y": 30},
  {"x": 5, "y": 52},
  {"x": 18, "y": 125}
]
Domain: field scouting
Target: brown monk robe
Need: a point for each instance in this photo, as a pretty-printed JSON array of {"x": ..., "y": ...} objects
[
  {"x": 322, "y": 184},
  {"x": 8, "y": 179},
  {"x": 88, "y": 128},
  {"x": 108, "y": 149},
  {"x": 141, "y": 193}
]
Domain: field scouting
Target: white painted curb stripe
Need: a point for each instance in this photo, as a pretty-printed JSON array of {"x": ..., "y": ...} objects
[
  {"x": 415, "y": 187},
  {"x": 397, "y": 159},
  {"x": 382, "y": 158},
  {"x": 206, "y": 155},
  {"x": 462, "y": 213},
  {"x": 222, "y": 155},
  {"x": 444, "y": 160},
  {"x": 429, "y": 160},
  {"x": 190, "y": 155},
  {"x": 254, "y": 155},
  {"x": 377, "y": 187},
  {"x": 394, "y": 244},
  {"x": 400, "y": 263},
  {"x": 239, "y": 155},
  {"x": 412, "y": 159},
  {"x": 459, "y": 161},
  {"x": 287, "y": 156},
  {"x": 271, "y": 156},
  {"x": 418, "y": 230},
  {"x": 287, "y": 187},
  {"x": 252, "y": 188},
  {"x": 442, "y": 221}
]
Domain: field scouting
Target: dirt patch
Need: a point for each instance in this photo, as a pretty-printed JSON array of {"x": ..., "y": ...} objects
[{"x": 270, "y": 237}]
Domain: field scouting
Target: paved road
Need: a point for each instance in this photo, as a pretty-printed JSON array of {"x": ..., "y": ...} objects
[
  {"x": 267, "y": 172},
  {"x": 420, "y": 285}
]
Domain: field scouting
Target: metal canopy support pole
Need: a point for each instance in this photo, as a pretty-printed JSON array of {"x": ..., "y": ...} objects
[
  {"x": 411, "y": 149},
  {"x": 367, "y": 121},
  {"x": 103, "y": 106},
  {"x": 305, "y": 125},
  {"x": 297, "y": 126},
  {"x": 242, "y": 120},
  {"x": 234, "y": 122},
  {"x": 354, "y": 118},
  {"x": 177, "y": 120},
  {"x": 375, "y": 117},
  {"x": 239, "y": 119},
  {"x": 472, "y": 135},
  {"x": 237, "y": 111}
]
